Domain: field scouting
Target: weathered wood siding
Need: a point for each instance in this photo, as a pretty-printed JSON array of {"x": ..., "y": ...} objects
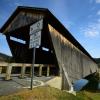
[
  {"x": 23, "y": 19},
  {"x": 75, "y": 62}
]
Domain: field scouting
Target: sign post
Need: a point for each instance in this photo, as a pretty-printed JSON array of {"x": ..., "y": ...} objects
[
  {"x": 35, "y": 42},
  {"x": 34, "y": 49}
]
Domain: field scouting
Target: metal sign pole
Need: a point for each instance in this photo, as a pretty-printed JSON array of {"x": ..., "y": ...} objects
[
  {"x": 34, "y": 50},
  {"x": 35, "y": 42}
]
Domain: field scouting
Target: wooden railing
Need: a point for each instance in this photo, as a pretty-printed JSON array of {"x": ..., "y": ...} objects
[{"x": 23, "y": 66}]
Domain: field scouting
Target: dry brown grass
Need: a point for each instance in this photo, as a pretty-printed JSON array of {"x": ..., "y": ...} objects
[
  {"x": 48, "y": 93},
  {"x": 40, "y": 93}
]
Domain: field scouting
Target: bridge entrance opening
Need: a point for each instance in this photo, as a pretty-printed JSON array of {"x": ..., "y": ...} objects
[{"x": 18, "y": 41}]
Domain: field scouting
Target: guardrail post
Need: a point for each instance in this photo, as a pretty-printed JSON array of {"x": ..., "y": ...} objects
[
  {"x": 30, "y": 71},
  {"x": 22, "y": 71},
  {"x": 8, "y": 72},
  {"x": 48, "y": 70},
  {"x": 40, "y": 70},
  {"x": 0, "y": 69}
]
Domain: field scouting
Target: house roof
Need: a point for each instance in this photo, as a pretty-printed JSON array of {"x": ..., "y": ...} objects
[{"x": 52, "y": 19}]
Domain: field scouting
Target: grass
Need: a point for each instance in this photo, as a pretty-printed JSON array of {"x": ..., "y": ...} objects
[
  {"x": 40, "y": 93},
  {"x": 48, "y": 93},
  {"x": 87, "y": 95}
]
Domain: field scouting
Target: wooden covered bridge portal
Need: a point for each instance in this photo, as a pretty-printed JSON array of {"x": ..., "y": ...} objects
[{"x": 58, "y": 47}]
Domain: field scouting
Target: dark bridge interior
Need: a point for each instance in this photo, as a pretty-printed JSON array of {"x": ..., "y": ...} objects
[
  {"x": 18, "y": 41},
  {"x": 19, "y": 44}
]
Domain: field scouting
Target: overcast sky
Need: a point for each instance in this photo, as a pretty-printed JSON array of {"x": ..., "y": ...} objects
[{"x": 80, "y": 17}]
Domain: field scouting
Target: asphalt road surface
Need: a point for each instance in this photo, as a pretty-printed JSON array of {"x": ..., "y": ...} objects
[{"x": 16, "y": 84}]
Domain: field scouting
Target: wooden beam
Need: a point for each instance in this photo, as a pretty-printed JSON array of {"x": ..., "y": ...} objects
[
  {"x": 8, "y": 72},
  {"x": 40, "y": 70},
  {"x": 22, "y": 71},
  {"x": 4, "y": 64},
  {"x": 48, "y": 70},
  {"x": 23, "y": 67},
  {"x": 0, "y": 69}
]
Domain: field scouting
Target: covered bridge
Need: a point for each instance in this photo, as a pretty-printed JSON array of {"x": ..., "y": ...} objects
[{"x": 71, "y": 60}]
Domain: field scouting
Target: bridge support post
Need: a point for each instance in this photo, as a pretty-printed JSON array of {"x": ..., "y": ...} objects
[
  {"x": 30, "y": 71},
  {"x": 8, "y": 72},
  {"x": 23, "y": 71},
  {"x": 40, "y": 70},
  {"x": 48, "y": 70},
  {"x": 0, "y": 69}
]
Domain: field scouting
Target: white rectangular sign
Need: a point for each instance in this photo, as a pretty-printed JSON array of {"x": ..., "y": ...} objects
[
  {"x": 35, "y": 40},
  {"x": 35, "y": 34},
  {"x": 36, "y": 27}
]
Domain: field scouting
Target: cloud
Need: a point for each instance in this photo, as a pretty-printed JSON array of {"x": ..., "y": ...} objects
[
  {"x": 91, "y": 30},
  {"x": 98, "y": 13},
  {"x": 91, "y": 33},
  {"x": 97, "y": 1}
]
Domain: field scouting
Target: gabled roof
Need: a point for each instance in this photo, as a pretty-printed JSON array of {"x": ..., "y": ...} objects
[
  {"x": 21, "y": 8},
  {"x": 52, "y": 20}
]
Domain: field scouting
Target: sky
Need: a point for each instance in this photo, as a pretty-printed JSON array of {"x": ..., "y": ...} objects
[{"x": 80, "y": 17}]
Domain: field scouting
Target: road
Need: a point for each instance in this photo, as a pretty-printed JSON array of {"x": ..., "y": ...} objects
[{"x": 17, "y": 84}]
